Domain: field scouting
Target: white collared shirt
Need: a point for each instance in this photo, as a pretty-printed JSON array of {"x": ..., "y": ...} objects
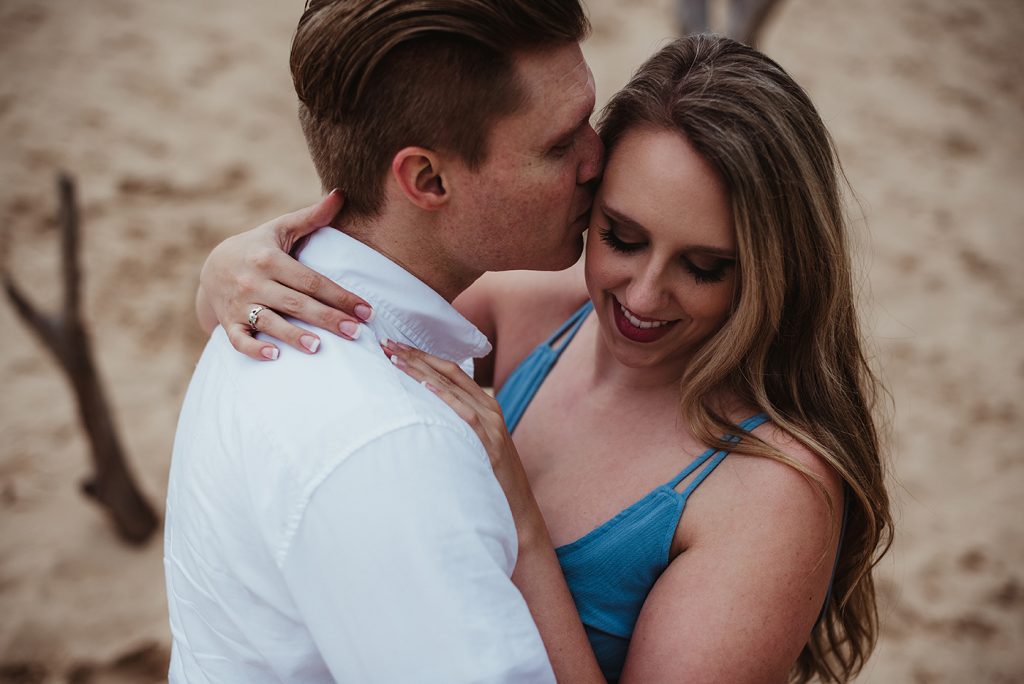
[{"x": 329, "y": 519}]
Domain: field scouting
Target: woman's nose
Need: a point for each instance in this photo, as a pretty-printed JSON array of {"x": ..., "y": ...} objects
[{"x": 646, "y": 292}]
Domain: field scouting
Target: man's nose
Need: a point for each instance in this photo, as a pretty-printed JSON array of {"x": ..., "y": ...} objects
[{"x": 592, "y": 159}]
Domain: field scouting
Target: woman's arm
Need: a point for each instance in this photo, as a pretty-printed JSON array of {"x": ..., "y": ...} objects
[
  {"x": 538, "y": 574},
  {"x": 255, "y": 268},
  {"x": 738, "y": 605}
]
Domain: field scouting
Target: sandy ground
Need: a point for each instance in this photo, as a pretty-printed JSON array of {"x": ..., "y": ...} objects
[{"x": 178, "y": 120}]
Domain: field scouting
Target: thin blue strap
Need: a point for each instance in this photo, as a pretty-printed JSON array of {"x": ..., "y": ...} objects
[
  {"x": 835, "y": 563},
  {"x": 571, "y": 326},
  {"x": 521, "y": 386},
  {"x": 716, "y": 456}
]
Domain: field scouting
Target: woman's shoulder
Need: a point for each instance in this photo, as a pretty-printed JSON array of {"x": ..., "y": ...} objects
[
  {"x": 808, "y": 497},
  {"x": 798, "y": 452}
]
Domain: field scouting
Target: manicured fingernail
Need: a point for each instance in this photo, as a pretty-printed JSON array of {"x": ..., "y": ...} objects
[
  {"x": 428, "y": 386},
  {"x": 349, "y": 329},
  {"x": 388, "y": 343},
  {"x": 270, "y": 353},
  {"x": 309, "y": 342},
  {"x": 397, "y": 361},
  {"x": 364, "y": 312}
]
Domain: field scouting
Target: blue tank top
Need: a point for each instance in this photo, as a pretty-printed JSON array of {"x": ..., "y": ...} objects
[{"x": 611, "y": 569}]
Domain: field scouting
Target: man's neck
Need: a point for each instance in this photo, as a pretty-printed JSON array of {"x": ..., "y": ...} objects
[{"x": 414, "y": 248}]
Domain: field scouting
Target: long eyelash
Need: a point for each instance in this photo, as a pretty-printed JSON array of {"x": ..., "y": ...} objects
[
  {"x": 703, "y": 277},
  {"x": 613, "y": 241},
  {"x": 700, "y": 275}
]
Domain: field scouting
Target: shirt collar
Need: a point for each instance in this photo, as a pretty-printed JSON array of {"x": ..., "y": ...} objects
[{"x": 428, "y": 321}]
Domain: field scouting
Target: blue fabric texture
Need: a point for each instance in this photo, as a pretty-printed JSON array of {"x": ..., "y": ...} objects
[{"x": 611, "y": 569}]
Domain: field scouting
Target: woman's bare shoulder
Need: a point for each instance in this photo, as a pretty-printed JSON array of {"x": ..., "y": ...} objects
[
  {"x": 765, "y": 535},
  {"x": 775, "y": 492},
  {"x": 545, "y": 295},
  {"x": 750, "y": 487},
  {"x": 783, "y": 475},
  {"x": 504, "y": 293}
]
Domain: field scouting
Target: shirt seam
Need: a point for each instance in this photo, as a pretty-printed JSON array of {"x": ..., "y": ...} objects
[{"x": 294, "y": 518}]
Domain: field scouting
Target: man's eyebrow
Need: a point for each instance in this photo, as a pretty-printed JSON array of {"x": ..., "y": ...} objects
[{"x": 622, "y": 219}]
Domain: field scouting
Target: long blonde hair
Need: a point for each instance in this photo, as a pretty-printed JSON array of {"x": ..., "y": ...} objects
[{"x": 792, "y": 345}]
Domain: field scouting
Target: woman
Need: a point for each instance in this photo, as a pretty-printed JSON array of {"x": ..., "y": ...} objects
[{"x": 714, "y": 315}]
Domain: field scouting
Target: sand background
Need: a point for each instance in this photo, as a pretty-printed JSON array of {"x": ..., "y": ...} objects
[{"x": 177, "y": 118}]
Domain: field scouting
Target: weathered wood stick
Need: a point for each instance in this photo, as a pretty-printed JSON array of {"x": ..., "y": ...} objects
[
  {"x": 745, "y": 18},
  {"x": 66, "y": 338}
]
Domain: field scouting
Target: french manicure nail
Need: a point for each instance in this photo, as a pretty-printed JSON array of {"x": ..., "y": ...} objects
[
  {"x": 397, "y": 361},
  {"x": 270, "y": 353},
  {"x": 310, "y": 343},
  {"x": 349, "y": 329},
  {"x": 364, "y": 312}
]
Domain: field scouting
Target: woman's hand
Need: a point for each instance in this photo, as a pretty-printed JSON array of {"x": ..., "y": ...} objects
[
  {"x": 482, "y": 412},
  {"x": 254, "y": 269},
  {"x": 538, "y": 574}
]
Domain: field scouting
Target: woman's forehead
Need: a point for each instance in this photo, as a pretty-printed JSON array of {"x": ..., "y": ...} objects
[{"x": 656, "y": 178}]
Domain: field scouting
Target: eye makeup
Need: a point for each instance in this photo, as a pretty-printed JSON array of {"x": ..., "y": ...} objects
[
  {"x": 702, "y": 276},
  {"x": 609, "y": 237}
]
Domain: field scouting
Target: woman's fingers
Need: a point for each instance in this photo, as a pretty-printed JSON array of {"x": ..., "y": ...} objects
[
  {"x": 336, "y": 303},
  {"x": 483, "y": 402},
  {"x": 288, "y": 302},
  {"x": 273, "y": 324},
  {"x": 293, "y": 226},
  {"x": 241, "y": 339},
  {"x": 448, "y": 369},
  {"x": 416, "y": 368},
  {"x": 438, "y": 384},
  {"x": 251, "y": 267}
]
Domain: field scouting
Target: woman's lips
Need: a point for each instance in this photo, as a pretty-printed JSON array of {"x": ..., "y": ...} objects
[{"x": 636, "y": 329}]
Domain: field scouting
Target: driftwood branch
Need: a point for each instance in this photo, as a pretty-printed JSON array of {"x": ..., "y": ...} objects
[
  {"x": 744, "y": 19},
  {"x": 66, "y": 338}
]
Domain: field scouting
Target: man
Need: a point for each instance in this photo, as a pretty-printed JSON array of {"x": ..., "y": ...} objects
[{"x": 331, "y": 519}]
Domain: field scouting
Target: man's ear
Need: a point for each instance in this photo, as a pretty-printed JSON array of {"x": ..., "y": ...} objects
[{"x": 420, "y": 175}]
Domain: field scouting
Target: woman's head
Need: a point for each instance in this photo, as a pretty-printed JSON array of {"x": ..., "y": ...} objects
[
  {"x": 756, "y": 178},
  {"x": 764, "y": 145},
  {"x": 661, "y": 259}
]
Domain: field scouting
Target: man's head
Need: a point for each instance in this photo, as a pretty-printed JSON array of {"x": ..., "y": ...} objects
[
  {"x": 464, "y": 121},
  {"x": 374, "y": 76}
]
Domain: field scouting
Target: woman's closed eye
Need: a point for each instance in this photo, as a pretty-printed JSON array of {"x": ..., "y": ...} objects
[
  {"x": 714, "y": 274},
  {"x": 610, "y": 238},
  {"x": 711, "y": 272}
]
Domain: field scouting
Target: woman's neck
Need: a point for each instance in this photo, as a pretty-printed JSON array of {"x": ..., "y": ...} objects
[{"x": 608, "y": 371}]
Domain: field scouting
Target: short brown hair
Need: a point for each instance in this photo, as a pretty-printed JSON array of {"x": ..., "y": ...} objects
[{"x": 374, "y": 76}]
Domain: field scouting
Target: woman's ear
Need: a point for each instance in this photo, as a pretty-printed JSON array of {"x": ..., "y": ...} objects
[{"x": 420, "y": 175}]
